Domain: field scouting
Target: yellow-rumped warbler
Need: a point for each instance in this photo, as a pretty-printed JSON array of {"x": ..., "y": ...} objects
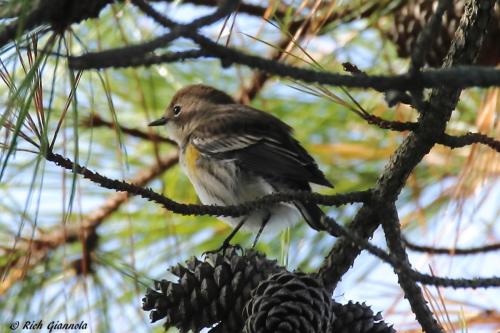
[{"x": 234, "y": 153}]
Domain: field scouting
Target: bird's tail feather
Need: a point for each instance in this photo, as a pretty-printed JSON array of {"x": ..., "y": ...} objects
[{"x": 311, "y": 213}]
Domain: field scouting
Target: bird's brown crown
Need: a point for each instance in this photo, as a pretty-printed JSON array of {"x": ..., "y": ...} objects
[{"x": 199, "y": 92}]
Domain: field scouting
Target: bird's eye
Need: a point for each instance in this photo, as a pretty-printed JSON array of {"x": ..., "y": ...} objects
[{"x": 177, "y": 110}]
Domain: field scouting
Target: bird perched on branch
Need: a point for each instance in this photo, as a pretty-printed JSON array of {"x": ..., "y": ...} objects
[{"x": 234, "y": 153}]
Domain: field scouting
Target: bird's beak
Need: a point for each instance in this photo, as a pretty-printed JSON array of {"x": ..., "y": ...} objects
[{"x": 159, "y": 122}]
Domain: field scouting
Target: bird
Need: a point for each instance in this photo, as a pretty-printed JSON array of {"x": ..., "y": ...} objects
[{"x": 234, "y": 153}]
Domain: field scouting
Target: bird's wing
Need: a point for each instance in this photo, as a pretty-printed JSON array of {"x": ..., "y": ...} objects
[{"x": 258, "y": 142}]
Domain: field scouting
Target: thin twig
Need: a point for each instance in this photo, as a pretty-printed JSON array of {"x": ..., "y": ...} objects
[
  {"x": 451, "y": 251},
  {"x": 97, "y": 121}
]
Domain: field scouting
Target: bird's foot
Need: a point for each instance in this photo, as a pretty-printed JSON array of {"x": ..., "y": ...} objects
[{"x": 223, "y": 248}]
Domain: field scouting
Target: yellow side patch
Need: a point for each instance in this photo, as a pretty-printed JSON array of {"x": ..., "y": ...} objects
[{"x": 191, "y": 155}]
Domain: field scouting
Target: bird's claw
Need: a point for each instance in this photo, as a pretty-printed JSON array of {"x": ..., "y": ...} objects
[{"x": 225, "y": 246}]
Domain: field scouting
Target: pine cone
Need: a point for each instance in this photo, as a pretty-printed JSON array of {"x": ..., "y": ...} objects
[
  {"x": 289, "y": 302},
  {"x": 209, "y": 292},
  {"x": 410, "y": 19},
  {"x": 358, "y": 318}
]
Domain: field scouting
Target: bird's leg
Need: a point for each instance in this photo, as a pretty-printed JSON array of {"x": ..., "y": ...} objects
[
  {"x": 225, "y": 243},
  {"x": 262, "y": 226}
]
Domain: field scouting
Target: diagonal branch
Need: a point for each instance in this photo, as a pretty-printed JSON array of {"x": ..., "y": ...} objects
[
  {"x": 391, "y": 225},
  {"x": 416, "y": 145}
]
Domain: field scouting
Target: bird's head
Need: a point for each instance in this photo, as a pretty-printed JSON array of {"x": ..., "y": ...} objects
[{"x": 189, "y": 107}]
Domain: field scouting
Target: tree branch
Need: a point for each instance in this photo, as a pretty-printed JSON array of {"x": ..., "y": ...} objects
[
  {"x": 402, "y": 267},
  {"x": 415, "y": 146},
  {"x": 413, "y": 293},
  {"x": 469, "y": 139},
  {"x": 246, "y": 8},
  {"x": 445, "y": 140},
  {"x": 451, "y": 251},
  {"x": 92, "y": 221},
  {"x": 345, "y": 16},
  {"x": 456, "y": 77},
  {"x": 213, "y": 210}
]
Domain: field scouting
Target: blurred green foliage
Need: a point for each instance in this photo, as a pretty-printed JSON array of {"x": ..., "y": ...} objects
[{"x": 138, "y": 241}]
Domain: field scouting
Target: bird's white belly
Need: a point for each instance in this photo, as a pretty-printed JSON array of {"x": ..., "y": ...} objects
[{"x": 220, "y": 182}]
